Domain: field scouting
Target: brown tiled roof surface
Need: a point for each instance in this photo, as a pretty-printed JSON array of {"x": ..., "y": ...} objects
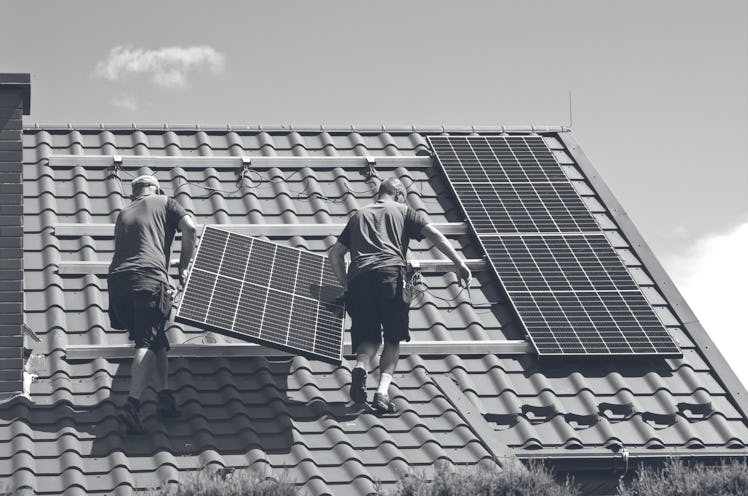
[{"x": 291, "y": 413}]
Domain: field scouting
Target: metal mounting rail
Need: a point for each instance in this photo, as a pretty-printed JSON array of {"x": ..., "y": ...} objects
[
  {"x": 76, "y": 230},
  {"x": 426, "y": 266},
  {"x": 258, "y": 162},
  {"x": 423, "y": 348}
]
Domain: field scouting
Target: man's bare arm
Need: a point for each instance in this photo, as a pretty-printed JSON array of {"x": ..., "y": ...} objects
[
  {"x": 189, "y": 238},
  {"x": 443, "y": 245},
  {"x": 337, "y": 261}
]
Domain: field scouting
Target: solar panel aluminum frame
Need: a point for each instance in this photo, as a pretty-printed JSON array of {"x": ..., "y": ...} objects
[{"x": 334, "y": 360}]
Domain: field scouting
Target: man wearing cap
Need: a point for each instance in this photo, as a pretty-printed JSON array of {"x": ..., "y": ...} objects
[
  {"x": 378, "y": 300},
  {"x": 139, "y": 296}
]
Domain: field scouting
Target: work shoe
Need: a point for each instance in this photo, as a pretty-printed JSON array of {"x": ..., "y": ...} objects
[
  {"x": 130, "y": 417},
  {"x": 358, "y": 385},
  {"x": 167, "y": 405},
  {"x": 382, "y": 404}
]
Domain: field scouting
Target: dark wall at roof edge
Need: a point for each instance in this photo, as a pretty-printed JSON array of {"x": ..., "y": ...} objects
[
  {"x": 705, "y": 346},
  {"x": 14, "y": 103}
]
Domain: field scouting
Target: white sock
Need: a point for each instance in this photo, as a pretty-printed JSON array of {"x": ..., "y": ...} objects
[
  {"x": 360, "y": 365},
  {"x": 384, "y": 384}
]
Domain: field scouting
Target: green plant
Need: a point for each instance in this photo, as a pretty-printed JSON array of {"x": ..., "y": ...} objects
[
  {"x": 244, "y": 482},
  {"x": 481, "y": 481},
  {"x": 677, "y": 478}
]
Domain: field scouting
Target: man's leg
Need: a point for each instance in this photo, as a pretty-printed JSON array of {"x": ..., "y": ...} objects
[
  {"x": 364, "y": 354},
  {"x": 395, "y": 327},
  {"x": 142, "y": 369},
  {"x": 144, "y": 361},
  {"x": 387, "y": 365},
  {"x": 167, "y": 404},
  {"x": 162, "y": 370},
  {"x": 364, "y": 334},
  {"x": 365, "y": 351}
]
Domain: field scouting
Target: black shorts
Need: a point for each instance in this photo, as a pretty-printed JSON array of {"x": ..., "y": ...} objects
[
  {"x": 139, "y": 310},
  {"x": 379, "y": 306}
]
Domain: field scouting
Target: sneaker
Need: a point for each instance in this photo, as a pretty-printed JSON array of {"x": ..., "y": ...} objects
[
  {"x": 358, "y": 385},
  {"x": 382, "y": 404},
  {"x": 130, "y": 417},
  {"x": 167, "y": 405}
]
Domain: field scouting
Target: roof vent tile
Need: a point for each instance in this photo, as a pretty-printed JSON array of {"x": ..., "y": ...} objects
[
  {"x": 616, "y": 412},
  {"x": 502, "y": 419},
  {"x": 659, "y": 420},
  {"x": 539, "y": 414},
  {"x": 694, "y": 411},
  {"x": 578, "y": 421}
]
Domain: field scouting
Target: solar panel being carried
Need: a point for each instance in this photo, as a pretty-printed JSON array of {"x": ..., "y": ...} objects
[
  {"x": 568, "y": 285},
  {"x": 267, "y": 293}
]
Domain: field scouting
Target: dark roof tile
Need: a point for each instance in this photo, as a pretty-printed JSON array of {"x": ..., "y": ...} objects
[{"x": 276, "y": 414}]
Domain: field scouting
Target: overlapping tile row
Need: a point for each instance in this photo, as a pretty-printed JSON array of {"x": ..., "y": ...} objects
[
  {"x": 273, "y": 415},
  {"x": 532, "y": 405},
  {"x": 658, "y": 404}
]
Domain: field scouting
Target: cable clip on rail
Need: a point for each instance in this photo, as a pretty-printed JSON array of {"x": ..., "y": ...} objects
[
  {"x": 370, "y": 171},
  {"x": 246, "y": 167},
  {"x": 116, "y": 166}
]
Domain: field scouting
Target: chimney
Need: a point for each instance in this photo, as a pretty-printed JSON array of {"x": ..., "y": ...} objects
[{"x": 15, "y": 102}]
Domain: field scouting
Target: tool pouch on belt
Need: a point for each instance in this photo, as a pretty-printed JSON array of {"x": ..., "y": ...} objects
[
  {"x": 166, "y": 300},
  {"x": 406, "y": 287}
]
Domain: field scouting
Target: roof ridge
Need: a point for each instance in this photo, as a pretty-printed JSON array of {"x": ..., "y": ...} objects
[{"x": 289, "y": 128}]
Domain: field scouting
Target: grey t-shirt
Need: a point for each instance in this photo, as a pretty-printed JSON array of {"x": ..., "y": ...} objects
[
  {"x": 378, "y": 235},
  {"x": 143, "y": 235}
]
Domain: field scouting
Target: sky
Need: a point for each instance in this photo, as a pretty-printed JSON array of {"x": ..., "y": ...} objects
[{"x": 659, "y": 93}]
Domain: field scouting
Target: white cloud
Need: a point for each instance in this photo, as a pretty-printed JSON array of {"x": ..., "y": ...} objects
[
  {"x": 712, "y": 275},
  {"x": 167, "y": 66},
  {"x": 126, "y": 102}
]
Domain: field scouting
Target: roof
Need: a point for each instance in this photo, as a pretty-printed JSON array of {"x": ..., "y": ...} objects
[{"x": 280, "y": 413}]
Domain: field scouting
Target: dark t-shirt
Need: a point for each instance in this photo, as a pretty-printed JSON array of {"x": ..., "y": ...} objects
[
  {"x": 143, "y": 235},
  {"x": 378, "y": 235}
]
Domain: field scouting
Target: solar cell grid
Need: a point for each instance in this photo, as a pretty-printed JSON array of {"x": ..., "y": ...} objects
[
  {"x": 557, "y": 263},
  {"x": 593, "y": 323},
  {"x": 524, "y": 207},
  {"x": 496, "y": 159},
  {"x": 264, "y": 292}
]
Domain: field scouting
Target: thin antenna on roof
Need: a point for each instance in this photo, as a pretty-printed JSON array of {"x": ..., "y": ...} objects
[{"x": 571, "y": 115}]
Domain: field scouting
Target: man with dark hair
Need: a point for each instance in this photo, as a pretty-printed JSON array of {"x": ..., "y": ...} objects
[
  {"x": 139, "y": 290},
  {"x": 378, "y": 298}
]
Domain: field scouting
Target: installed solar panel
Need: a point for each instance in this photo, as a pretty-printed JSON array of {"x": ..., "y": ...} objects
[
  {"x": 569, "y": 286},
  {"x": 490, "y": 159},
  {"x": 263, "y": 292},
  {"x": 524, "y": 207},
  {"x": 590, "y": 323},
  {"x": 511, "y": 184},
  {"x": 575, "y": 296},
  {"x": 557, "y": 263}
]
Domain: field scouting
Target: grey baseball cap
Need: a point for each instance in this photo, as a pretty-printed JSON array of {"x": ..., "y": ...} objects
[{"x": 144, "y": 180}]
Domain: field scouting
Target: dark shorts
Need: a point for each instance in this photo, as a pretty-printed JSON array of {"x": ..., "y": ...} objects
[
  {"x": 135, "y": 305},
  {"x": 378, "y": 306}
]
